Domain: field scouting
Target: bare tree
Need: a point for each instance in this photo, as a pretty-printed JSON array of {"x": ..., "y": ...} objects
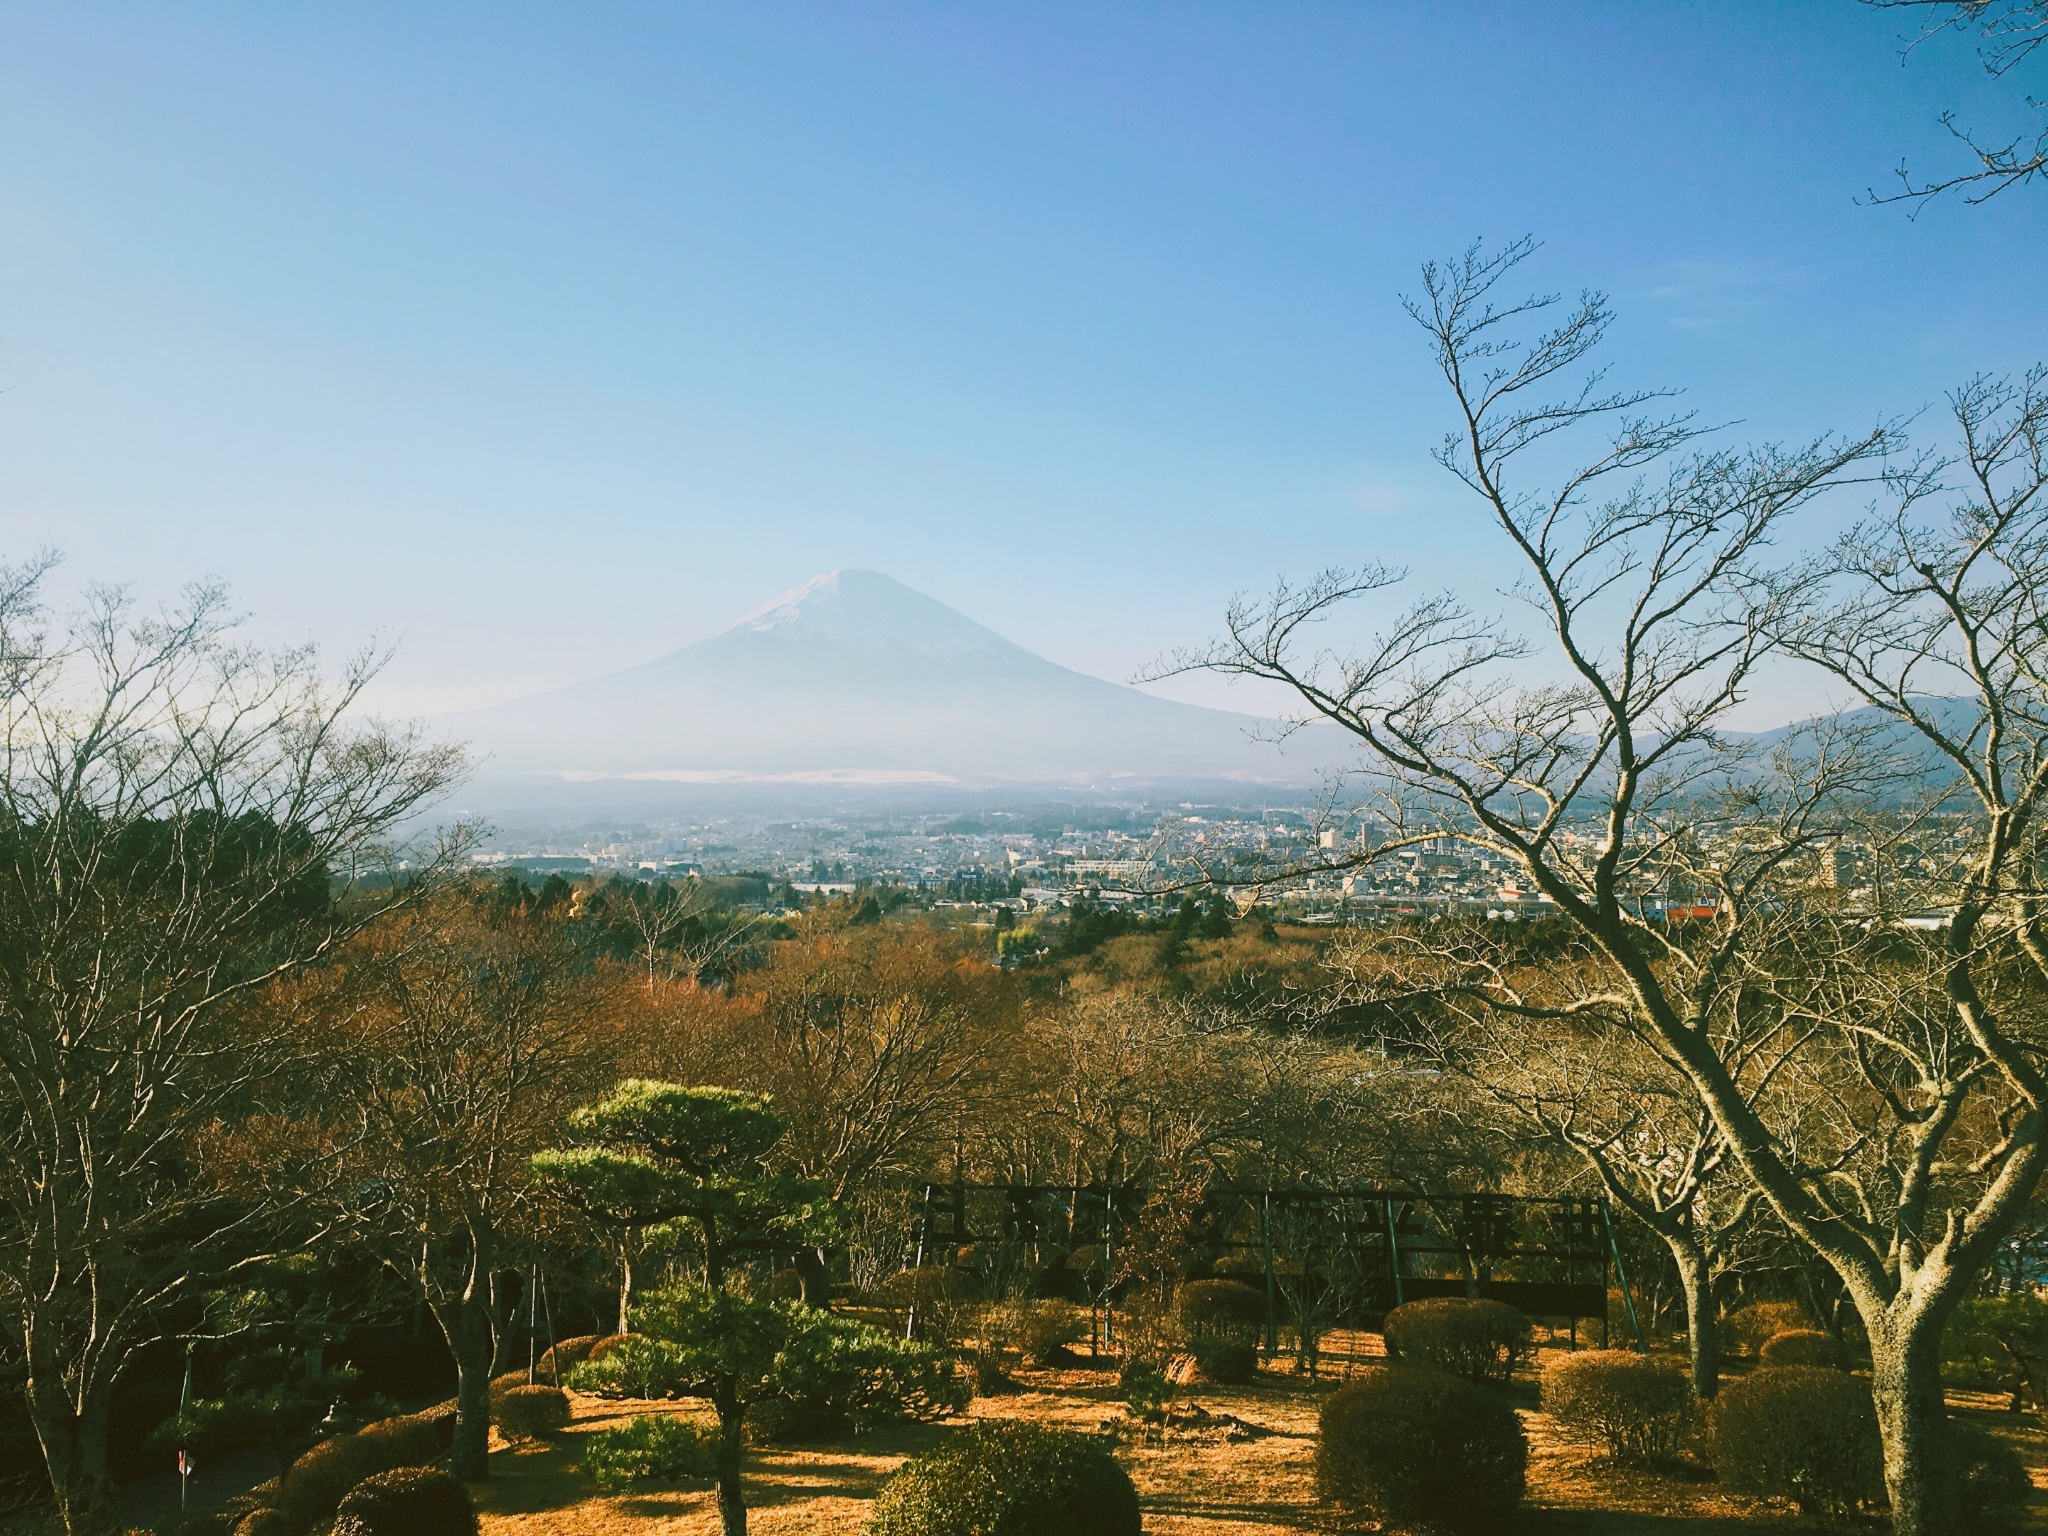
[
  {"x": 2009, "y": 33},
  {"x": 677, "y": 929},
  {"x": 181, "y": 821},
  {"x": 1611, "y": 783},
  {"x": 450, "y": 1044},
  {"x": 1525, "y": 1025}
]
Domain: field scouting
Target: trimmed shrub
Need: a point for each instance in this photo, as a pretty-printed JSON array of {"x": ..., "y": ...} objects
[
  {"x": 412, "y": 1501},
  {"x": 1749, "y": 1328},
  {"x": 1014, "y": 1478},
  {"x": 442, "y": 1417},
  {"x": 1227, "y": 1362},
  {"x": 409, "y": 1439},
  {"x": 1418, "y": 1447},
  {"x": 1482, "y": 1341},
  {"x": 265, "y": 1522},
  {"x": 315, "y": 1483},
  {"x": 1988, "y": 1483},
  {"x": 1633, "y": 1408},
  {"x": 500, "y": 1385},
  {"x": 563, "y": 1353},
  {"x": 1798, "y": 1432},
  {"x": 653, "y": 1448},
  {"x": 531, "y": 1413},
  {"x": 1045, "y": 1329},
  {"x": 605, "y": 1343},
  {"x": 1222, "y": 1308},
  {"x": 1802, "y": 1346}
]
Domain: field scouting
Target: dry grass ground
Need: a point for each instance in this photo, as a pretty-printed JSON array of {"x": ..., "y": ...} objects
[{"x": 1201, "y": 1484}]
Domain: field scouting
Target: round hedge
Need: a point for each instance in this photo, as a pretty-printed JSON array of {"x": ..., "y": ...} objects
[
  {"x": 1226, "y": 1361},
  {"x": 315, "y": 1483},
  {"x": 1481, "y": 1341},
  {"x": 1749, "y": 1328},
  {"x": 562, "y": 1354},
  {"x": 1419, "y": 1447},
  {"x": 1220, "y": 1307},
  {"x": 1009, "y": 1478},
  {"x": 1633, "y": 1408},
  {"x": 409, "y": 1439},
  {"x": 442, "y": 1419},
  {"x": 530, "y": 1413},
  {"x": 1799, "y": 1432},
  {"x": 1802, "y": 1346},
  {"x": 412, "y": 1501},
  {"x": 265, "y": 1522}
]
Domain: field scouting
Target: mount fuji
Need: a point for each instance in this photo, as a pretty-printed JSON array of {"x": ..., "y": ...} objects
[{"x": 854, "y": 679}]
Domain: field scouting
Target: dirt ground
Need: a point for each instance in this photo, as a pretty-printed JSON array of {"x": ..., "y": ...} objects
[{"x": 1214, "y": 1480}]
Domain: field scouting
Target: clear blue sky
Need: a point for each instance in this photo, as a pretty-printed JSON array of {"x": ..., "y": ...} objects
[{"x": 550, "y": 337}]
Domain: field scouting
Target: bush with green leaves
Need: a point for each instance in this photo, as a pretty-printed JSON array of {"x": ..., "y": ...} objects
[
  {"x": 556, "y": 1359},
  {"x": 657, "y": 1448},
  {"x": 530, "y": 1413},
  {"x": 1419, "y": 1447},
  {"x": 265, "y": 1522},
  {"x": 867, "y": 1377},
  {"x": 1481, "y": 1341},
  {"x": 1144, "y": 1390},
  {"x": 1999, "y": 1344},
  {"x": 1013, "y": 1478},
  {"x": 1802, "y": 1433},
  {"x": 1802, "y": 1346},
  {"x": 634, "y": 1365},
  {"x": 1631, "y": 1407},
  {"x": 412, "y": 1501}
]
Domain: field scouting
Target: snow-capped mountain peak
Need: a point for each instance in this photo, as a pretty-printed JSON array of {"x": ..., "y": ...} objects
[{"x": 866, "y": 610}]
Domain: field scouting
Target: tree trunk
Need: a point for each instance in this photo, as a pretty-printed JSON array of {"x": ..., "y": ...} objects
[
  {"x": 626, "y": 1283},
  {"x": 732, "y": 1504},
  {"x": 469, "y": 1340},
  {"x": 75, "y": 1453},
  {"x": 815, "y": 1278},
  {"x": 1702, "y": 1318},
  {"x": 1912, "y": 1419},
  {"x": 508, "y": 1294}
]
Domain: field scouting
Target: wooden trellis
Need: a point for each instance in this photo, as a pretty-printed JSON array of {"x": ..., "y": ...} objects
[{"x": 1548, "y": 1255}]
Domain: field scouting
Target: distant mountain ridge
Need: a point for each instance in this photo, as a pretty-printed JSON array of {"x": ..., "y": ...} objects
[{"x": 854, "y": 678}]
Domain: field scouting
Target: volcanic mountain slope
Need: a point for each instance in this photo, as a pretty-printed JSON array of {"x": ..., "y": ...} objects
[{"x": 855, "y": 678}]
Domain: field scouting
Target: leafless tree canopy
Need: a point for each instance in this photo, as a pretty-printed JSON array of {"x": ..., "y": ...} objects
[
  {"x": 181, "y": 817},
  {"x": 2009, "y": 34},
  {"x": 1599, "y": 766}
]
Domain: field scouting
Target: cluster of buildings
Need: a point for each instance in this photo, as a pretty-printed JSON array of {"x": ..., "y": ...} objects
[{"x": 1032, "y": 856}]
